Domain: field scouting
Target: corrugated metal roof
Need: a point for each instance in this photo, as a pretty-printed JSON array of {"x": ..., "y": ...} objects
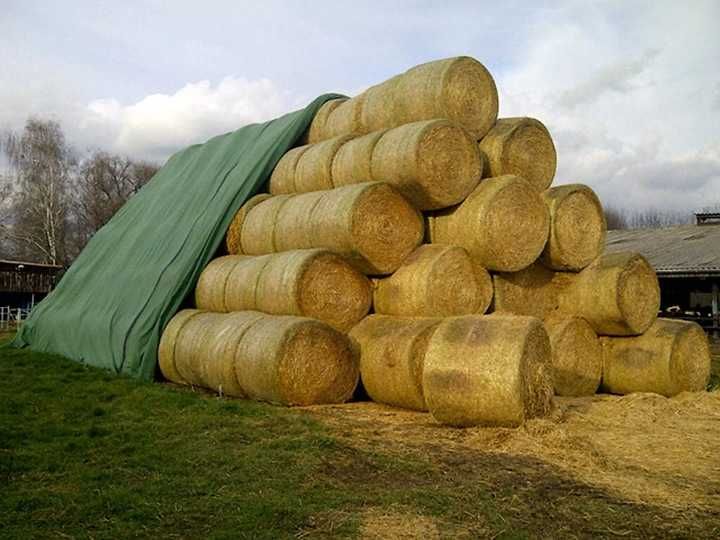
[{"x": 684, "y": 249}]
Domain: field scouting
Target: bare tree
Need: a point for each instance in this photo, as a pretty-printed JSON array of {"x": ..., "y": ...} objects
[
  {"x": 41, "y": 166},
  {"x": 650, "y": 218},
  {"x": 615, "y": 218}
]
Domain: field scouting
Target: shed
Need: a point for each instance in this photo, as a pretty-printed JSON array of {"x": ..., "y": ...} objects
[{"x": 23, "y": 283}]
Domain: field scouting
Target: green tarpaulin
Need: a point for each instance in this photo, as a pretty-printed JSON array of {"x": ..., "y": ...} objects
[{"x": 112, "y": 304}]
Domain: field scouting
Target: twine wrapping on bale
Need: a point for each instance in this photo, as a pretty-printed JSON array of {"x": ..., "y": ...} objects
[
  {"x": 317, "y": 127},
  {"x": 232, "y": 237},
  {"x": 352, "y": 163},
  {"x": 503, "y": 224},
  {"x": 434, "y": 281},
  {"x": 282, "y": 179},
  {"x": 314, "y": 168},
  {"x": 370, "y": 224},
  {"x": 392, "y": 353},
  {"x": 576, "y": 355},
  {"x": 523, "y": 147},
  {"x": 488, "y": 370},
  {"x": 434, "y": 163},
  {"x": 534, "y": 291},
  {"x": 618, "y": 294},
  {"x": 577, "y": 227},
  {"x": 672, "y": 356},
  {"x": 287, "y": 360},
  {"x": 312, "y": 283}
]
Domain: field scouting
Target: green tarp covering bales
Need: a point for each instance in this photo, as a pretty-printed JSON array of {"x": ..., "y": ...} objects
[{"x": 112, "y": 304}]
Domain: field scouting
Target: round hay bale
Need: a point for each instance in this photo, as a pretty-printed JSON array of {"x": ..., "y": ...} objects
[
  {"x": 257, "y": 234},
  {"x": 618, "y": 294},
  {"x": 503, "y": 224},
  {"x": 218, "y": 353},
  {"x": 434, "y": 281},
  {"x": 314, "y": 167},
  {"x": 392, "y": 354},
  {"x": 523, "y": 147},
  {"x": 210, "y": 288},
  {"x": 282, "y": 179},
  {"x": 460, "y": 89},
  {"x": 576, "y": 356},
  {"x": 166, "y": 349},
  {"x": 352, "y": 163},
  {"x": 370, "y": 224},
  {"x": 232, "y": 237},
  {"x": 577, "y": 227},
  {"x": 379, "y": 111},
  {"x": 672, "y": 356},
  {"x": 318, "y": 126},
  {"x": 488, "y": 370},
  {"x": 534, "y": 291},
  {"x": 296, "y": 361},
  {"x": 345, "y": 119},
  {"x": 189, "y": 361},
  {"x": 434, "y": 163}
]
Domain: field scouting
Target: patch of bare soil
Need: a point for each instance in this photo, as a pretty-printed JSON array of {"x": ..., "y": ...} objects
[{"x": 641, "y": 448}]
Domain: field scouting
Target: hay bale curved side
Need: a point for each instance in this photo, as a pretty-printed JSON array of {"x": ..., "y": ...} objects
[
  {"x": 352, "y": 163},
  {"x": 618, "y": 294},
  {"x": 345, "y": 119},
  {"x": 672, "y": 356},
  {"x": 296, "y": 361},
  {"x": 577, "y": 227},
  {"x": 434, "y": 281},
  {"x": 433, "y": 163},
  {"x": 576, "y": 356},
  {"x": 488, "y": 370},
  {"x": 379, "y": 111},
  {"x": 392, "y": 355},
  {"x": 257, "y": 236},
  {"x": 318, "y": 125},
  {"x": 314, "y": 167},
  {"x": 503, "y": 224},
  {"x": 523, "y": 147},
  {"x": 232, "y": 237},
  {"x": 210, "y": 288},
  {"x": 534, "y": 291},
  {"x": 282, "y": 179},
  {"x": 168, "y": 340},
  {"x": 293, "y": 228},
  {"x": 189, "y": 361}
]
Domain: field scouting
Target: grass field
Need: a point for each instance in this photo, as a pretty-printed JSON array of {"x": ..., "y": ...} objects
[{"x": 84, "y": 454}]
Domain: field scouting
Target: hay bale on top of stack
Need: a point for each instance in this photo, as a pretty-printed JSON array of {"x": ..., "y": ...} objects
[{"x": 429, "y": 141}]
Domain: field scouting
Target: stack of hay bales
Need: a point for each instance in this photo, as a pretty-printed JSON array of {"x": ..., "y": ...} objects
[{"x": 414, "y": 197}]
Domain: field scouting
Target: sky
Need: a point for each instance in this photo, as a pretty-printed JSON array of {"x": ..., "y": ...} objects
[{"x": 629, "y": 90}]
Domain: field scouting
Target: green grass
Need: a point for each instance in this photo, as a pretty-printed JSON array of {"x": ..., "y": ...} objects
[{"x": 85, "y": 454}]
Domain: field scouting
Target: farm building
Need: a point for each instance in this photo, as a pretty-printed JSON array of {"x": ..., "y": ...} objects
[
  {"x": 687, "y": 261},
  {"x": 23, "y": 284}
]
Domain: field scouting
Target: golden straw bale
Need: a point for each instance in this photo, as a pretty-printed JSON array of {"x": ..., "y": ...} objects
[
  {"x": 534, "y": 291},
  {"x": 282, "y": 179},
  {"x": 672, "y": 356},
  {"x": 521, "y": 146},
  {"x": 490, "y": 370},
  {"x": 392, "y": 353},
  {"x": 370, "y": 224},
  {"x": 379, "y": 111},
  {"x": 503, "y": 224},
  {"x": 577, "y": 227},
  {"x": 352, "y": 163},
  {"x": 195, "y": 332},
  {"x": 434, "y": 163},
  {"x": 576, "y": 355},
  {"x": 317, "y": 127},
  {"x": 210, "y": 288},
  {"x": 434, "y": 281},
  {"x": 166, "y": 349},
  {"x": 296, "y": 361},
  {"x": 618, "y": 294},
  {"x": 345, "y": 119},
  {"x": 314, "y": 168},
  {"x": 232, "y": 237}
]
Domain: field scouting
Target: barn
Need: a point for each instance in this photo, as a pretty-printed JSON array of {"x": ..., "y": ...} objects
[
  {"x": 687, "y": 261},
  {"x": 22, "y": 284}
]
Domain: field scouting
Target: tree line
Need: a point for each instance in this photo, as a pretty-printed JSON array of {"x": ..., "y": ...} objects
[
  {"x": 651, "y": 218},
  {"x": 52, "y": 198}
]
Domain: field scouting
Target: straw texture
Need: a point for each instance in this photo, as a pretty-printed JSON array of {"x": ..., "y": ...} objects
[
  {"x": 370, "y": 224},
  {"x": 671, "y": 357},
  {"x": 523, "y": 147},
  {"x": 287, "y": 360},
  {"x": 314, "y": 167},
  {"x": 232, "y": 237},
  {"x": 618, "y": 294},
  {"x": 488, "y": 370},
  {"x": 503, "y": 224},
  {"x": 576, "y": 356},
  {"x": 318, "y": 125},
  {"x": 312, "y": 283},
  {"x": 352, "y": 163},
  {"x": 345, "y": 119},
  {"x": 534, "y": 291},
  {"x": 434, "y": 281},
  {"x": 392, "y": 353},
  {"x": 282, "y": 179},
  {"x": 577, "y": 227},
  {"x": 166, "y": 349}
]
